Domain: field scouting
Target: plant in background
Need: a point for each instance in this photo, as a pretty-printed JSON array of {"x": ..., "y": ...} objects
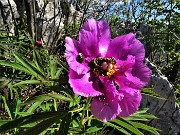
[{"x": 110, "y": 71}]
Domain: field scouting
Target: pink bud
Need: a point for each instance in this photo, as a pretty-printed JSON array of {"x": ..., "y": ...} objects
[{"x": 39, "y": 43}]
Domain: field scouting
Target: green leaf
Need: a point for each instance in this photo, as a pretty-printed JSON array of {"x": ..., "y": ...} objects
[
  {"x": 149, "y": 92},
  {"x": 64, "y": 127},
  {"x": 127, "y": 126},
  {"x": 29, "y": 65},
  {"x": 37, "y": 61},
  {"x": 92, "y": 130},
  {"x": 40, "y": 127},
  {"x": 145, "y": 127},
  {"x": 27, "y": 126},
  {"x": 28, "y": 36},
  {"x": 75, "y": 123},
  {"x": 63, "y": 65},
  {"x": 52, "y": 66},
  {"x": 76, "y": 131},
  {"x": 3, "y": 122},
  {"x": 15, "y": 66},
  {"x": 59, "y": 71},
  {"x": 28, "y": 82},
  {"x": 47, "y": 97},
  {"x": 24, "y": 113},
  {"x": 111, "y": 132},
  {"x": 34, "y": 106},
  {"x": 58, "y": 88},
  {"x": 141, "y": 115},
  {"x": 18, "y": 106},
  {"x": 8, "y": 108},
  {"x": 117, "y": 127},
  {"x": 4, "y": 82},
  {"x": 30, "y": 119},
  {"x": 76, "y": 101}
]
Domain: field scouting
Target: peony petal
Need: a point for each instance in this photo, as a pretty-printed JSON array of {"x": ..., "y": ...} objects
[
  {"x": 128, "y": 82},
  {"x": 109, "y": 89},
  {"x": 88, "y": 39},
  {"x": 122, "y": 46},
  {"x": 130, "y": 103},
  {"x": 81, "y": 84},
  {"x": 132, "y": 97},
  {"x": 134, "y": 82},
  {"x": 127, "y": 79},
  {"x": 71, "y": 54},
  {"x": 104, "y": 37},
  {"x": 103, "y": 111},
  {"x": 141, "y": 71},
  {"x": 106, "y": 107},
  {"x": 125, "y": 65}
]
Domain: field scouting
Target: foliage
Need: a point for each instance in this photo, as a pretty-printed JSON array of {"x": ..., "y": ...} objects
[{"x": 35, "y": 97}]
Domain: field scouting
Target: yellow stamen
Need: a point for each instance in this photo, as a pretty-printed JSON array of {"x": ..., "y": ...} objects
[
  {"x": 110, "y": 73},
  {"x": 103, "y": 67}
]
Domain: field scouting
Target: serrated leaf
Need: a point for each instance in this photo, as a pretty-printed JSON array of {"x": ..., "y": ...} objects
[{"x": 149, "y": 92}]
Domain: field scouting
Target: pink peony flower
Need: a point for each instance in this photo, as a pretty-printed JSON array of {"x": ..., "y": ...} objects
[{"x": 111, "y": 71}]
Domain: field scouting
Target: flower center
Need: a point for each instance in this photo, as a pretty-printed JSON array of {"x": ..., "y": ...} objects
[{"x": 103, "y": 66}]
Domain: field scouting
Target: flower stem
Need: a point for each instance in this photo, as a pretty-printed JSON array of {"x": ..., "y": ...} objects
[{"x": 84, "y": 110}]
